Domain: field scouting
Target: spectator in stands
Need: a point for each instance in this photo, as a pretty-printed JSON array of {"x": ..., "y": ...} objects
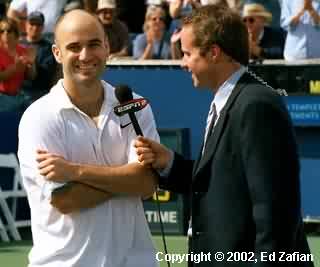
[
  {"x": 176, "y": 52},
  {"x": 154, "y": 43},
  {"x": 273, "y": 6},
  {"x": 264, "y": 42},
  {"x": 45, "y": 63},
  {"x": 116, "y": 31},
  {"x": 15, "y": 66},
  {"x": 52, "y": 9},
  {"x": 301, "y": 19}
]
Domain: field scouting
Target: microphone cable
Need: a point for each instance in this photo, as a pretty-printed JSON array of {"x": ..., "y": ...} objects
[{"x": 161, "y": 226}]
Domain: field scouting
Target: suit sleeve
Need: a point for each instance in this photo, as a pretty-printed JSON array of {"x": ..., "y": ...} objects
[
  {"x": 271, "y": 167},
  {"x": 180, "y": 177}
]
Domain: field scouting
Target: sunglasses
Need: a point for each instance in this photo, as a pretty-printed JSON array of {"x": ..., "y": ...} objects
[
  {"x": 250, "y": 20},
  {"x": 158, "y": 19},
  {"x": 6, "y": 30}
]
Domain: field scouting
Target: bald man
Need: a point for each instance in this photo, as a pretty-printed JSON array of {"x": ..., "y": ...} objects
[{"x": 85, "y": 194}]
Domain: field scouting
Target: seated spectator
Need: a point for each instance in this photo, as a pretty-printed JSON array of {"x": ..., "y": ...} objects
[
  {"x": 273, "y": 6},
  {"x": 15, "y": 65},
  {"x": 51, "y": 9},
  {"x": 264, "y": 42},
  {"x": 45, "y": 63},
  {"x": 117, "y": 32},
  {"x": 154, "y": 43},
  {"x": 301, "y": 19}
]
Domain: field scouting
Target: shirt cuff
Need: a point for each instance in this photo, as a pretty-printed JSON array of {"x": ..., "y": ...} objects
[{"x": 166, "y": 171}]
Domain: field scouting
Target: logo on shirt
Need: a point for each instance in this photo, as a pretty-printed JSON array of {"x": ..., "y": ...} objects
[{"x": 125, "y": 125}]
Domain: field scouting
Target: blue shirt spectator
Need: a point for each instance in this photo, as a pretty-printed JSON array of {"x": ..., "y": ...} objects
[
  {"x": 160, "y": 48},
  {"x": 300, "y": 18},
  {"x": 154, "y": 43}
]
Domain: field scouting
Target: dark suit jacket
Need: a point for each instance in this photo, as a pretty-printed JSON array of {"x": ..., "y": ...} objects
[
  {"x": 272, "y": 42},
  {"x": 245, "y": 187}
]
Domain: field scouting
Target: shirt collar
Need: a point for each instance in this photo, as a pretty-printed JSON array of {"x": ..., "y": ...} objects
[
  {"x": 64, "y": 100},
  {"x": 225, "y": 90}
]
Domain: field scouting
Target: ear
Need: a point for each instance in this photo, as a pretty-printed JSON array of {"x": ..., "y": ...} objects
[
  {"x": 57, "y": 53},
  {"x": 216, "y": 52}
]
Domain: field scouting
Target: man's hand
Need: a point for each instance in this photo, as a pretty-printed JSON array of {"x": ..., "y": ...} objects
[
  {"x": 55, "y": 168},
  {"x": 152, "y": 153}
]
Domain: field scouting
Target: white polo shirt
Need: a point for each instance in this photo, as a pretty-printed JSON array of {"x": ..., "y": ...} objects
[{"x": 114, "y": 233}]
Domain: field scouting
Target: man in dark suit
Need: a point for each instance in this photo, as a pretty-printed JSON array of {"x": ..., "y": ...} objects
[
  {"x": 245, "y": 183},
  {"x": 265, "y": 42}
]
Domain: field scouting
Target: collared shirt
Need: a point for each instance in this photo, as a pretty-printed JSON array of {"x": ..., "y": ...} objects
[
  {"x": 220, "y": 99},
  {"x": 114, "y": 233},
  {"x": 225, "y": 90},
  {"x": 302, "y": 40}
]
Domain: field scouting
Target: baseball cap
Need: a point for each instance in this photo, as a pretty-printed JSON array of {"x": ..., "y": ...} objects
[{"x": 36, "y": 17}]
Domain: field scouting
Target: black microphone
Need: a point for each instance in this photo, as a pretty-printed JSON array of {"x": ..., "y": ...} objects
[{"x": 129, "y": 106}]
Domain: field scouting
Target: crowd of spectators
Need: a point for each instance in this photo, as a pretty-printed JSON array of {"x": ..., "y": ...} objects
[{"x": 139, "y": 29}]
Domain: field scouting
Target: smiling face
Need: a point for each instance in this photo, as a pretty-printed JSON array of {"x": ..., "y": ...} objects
[{"x": 81, "y": 48}]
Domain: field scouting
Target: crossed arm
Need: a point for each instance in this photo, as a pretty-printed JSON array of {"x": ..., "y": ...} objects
[{"x": 96, "y": 183}]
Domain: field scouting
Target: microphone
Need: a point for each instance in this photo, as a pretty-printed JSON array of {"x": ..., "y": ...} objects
[{"x": 129, "y": 106}]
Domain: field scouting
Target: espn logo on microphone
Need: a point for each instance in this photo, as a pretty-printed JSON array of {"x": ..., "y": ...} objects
[{"x": 130, "y": 106}]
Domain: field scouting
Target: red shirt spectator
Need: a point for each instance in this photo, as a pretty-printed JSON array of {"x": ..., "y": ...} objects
[{"x": 11, "y": 86}]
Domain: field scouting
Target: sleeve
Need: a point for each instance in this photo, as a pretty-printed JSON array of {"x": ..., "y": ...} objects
[
  {"x": 38, "y": 129},
  {"x": 124, "y": 36},
  {"x": 180, "y": 176},
  {"x": 271, "y": 167},
  {"x": 286, "y": 15},
  {"x": 139, "y": 45},
  {"x": 148, "y": 127}
]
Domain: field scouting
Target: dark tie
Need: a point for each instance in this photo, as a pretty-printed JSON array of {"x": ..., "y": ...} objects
[{"x": 213, "y": 115}]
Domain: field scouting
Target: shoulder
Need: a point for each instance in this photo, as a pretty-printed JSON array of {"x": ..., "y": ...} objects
[
  {"x": 141, "y": 37},
  {"x": 256, "y": 91},
  {"x": 120, "y": 25},
  {"x": 44, "y": 112},
  {"x": 274, "y": 31}
]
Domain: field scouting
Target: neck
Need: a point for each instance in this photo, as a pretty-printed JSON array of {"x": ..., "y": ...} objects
[
  {"x": 88, "y": 98},
  {"x": 229, "y": 69},
  {"x": 158, "y": 34}
]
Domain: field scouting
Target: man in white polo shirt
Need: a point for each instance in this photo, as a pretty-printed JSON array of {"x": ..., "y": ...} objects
[{"x": 90, "y": 216}]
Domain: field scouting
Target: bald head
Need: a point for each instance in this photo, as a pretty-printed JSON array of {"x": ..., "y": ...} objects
[{"x": 76, "y": 18}]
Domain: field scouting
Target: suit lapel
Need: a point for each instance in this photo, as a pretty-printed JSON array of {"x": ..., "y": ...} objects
[{"x": 213, "y": 140}]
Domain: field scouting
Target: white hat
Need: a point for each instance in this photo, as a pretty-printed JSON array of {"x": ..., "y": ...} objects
[
  {"x": 250, "y": 10},
  {"x": 102, "y": 4}
]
